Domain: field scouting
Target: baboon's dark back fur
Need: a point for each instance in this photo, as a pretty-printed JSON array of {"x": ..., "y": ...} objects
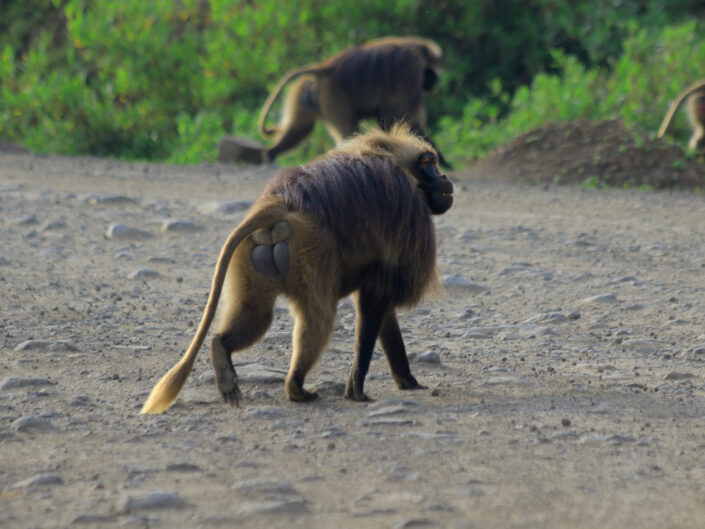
[
  {"x": 392, "y": 67},
  {"x": 372, "y": 208}
]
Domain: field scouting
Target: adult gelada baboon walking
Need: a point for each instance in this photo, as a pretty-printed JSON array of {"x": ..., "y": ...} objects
[
  {"x": 355, "y": 221},
  {"x": 384, "y": 79}
]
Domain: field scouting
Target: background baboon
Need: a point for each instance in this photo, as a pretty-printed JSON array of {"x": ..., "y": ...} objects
[
  {"x": 695, "y": 94},
  {"x": 356, "y": 221},
  {"x": 384, "y": 79}
]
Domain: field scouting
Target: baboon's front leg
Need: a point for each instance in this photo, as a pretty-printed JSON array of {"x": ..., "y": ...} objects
[
  {"x": 394, "y": 350},
  {"x": 369, "y": 320}
]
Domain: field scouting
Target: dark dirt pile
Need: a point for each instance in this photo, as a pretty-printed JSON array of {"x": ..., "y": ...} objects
[{"x": 594, "y": 153}]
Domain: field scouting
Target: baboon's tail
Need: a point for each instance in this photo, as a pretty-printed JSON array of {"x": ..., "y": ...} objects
[
  {"x": 677, "y": 103},
  {"x": 166, "y": 390},
  {"x": 262, "y": 122}
]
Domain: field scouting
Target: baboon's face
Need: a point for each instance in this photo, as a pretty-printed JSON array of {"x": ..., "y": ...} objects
[
  {"x": 699, "y": 103},
  {"x": 430, "y": 78},
  {"x": 436, "y": 187}
]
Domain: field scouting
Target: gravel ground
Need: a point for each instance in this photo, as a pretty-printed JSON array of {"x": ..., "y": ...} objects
[{"x": 564, "y": 361}]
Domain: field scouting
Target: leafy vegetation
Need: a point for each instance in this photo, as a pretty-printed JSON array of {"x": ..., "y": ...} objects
[{"x": 165, "y": 79}]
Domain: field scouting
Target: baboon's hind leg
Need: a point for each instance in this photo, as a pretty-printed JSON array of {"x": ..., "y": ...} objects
[
  {"x": 312, "y": 330},
  {"x": 246, "y": 324}
]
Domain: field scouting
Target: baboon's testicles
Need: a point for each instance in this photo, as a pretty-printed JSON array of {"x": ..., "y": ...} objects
[{"x": 271, "y": 255}]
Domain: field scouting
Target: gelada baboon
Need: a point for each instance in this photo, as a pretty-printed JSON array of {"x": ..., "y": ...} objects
[
  {"x": 384, "y": 79},
  {"x": 695, "y": 95},
  {"x": 355, "y": 221}
]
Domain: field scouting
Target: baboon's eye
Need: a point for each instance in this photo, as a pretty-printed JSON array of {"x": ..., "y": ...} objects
[{"x": 427, "y": 159}]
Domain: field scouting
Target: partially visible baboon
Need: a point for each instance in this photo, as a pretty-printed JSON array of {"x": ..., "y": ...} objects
[
  {"x": 384, "y": 79},
  {"x": 695, "y": 95},
  {"x": 355, "y": 221}
]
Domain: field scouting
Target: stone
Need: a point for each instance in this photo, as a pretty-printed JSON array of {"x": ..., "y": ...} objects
[{"x": 233, "y": 150}]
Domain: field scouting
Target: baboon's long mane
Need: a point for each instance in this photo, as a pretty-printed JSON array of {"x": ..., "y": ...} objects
[{"x": 368, "y": 203}]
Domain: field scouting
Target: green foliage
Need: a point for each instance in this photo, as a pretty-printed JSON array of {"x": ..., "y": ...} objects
[
  {"x": 638, "y": 88},
  {"x": 166, "y": 79}
]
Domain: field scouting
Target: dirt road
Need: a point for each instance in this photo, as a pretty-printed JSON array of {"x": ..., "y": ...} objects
[{"x": 564, "y": 362}]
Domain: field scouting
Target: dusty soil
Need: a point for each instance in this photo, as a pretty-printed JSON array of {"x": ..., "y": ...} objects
[
  {"x": 564, "y": 362},
  {"x": 594, "y": 154}
]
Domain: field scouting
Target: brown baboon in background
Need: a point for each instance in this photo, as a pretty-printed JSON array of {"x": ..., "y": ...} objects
[
  {"x": 355, "y": 221},
  {"x": 695, "y": 94},
  {"x": 384, "y": 79}
]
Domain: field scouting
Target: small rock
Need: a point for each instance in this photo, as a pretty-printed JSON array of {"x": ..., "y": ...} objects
[
  {"x": 157, "y": 500},
  {"x": 29, "y": 220},
  {"x": 260, "y": 488},
  {"x": 634, "y": 307},
  {"x": 33, "y": 424},
  {"x": 269, "y": 497},
  {"x": 279, "y": 507},
  {"x": 62, "y": 347},
  {"x": 224, "y": 207},
  {"x": 260, "y": 374},
  {"x": 391, "y": 421},
  {"x": 642, "y": 346},
  {"x": 93, "y": 519},
  {"x": 183, "y": 467},
  {"x": 601, "y": 298},
  {"x": 455, "y": 281},
  {"x": 429, "y": 357},
  {"x": 675, "y": 375},
  {"x": 267, "y": 412},
  {"x": 696, "y": 351},
  {"x": 121, "y": 231},
  {"x": 54, "y": 225},
  {"x": 22, "y": 382},
  {"x": 32, "y": 345},
  {"x": 144, "y": 273},
  {"x": 180, "y": 226},
  {"x": 513, "y": 268},
  {"x": 38, "y": 481},
  {"x": 389, "y": 410},
  {"x": 548, "y": 317},
  {"x": 109, "y": 199},
  {"x": 505, "y": 380},
  {"x": 467, "y": 313},
  {"x": 476, "y": 333},
  {"x": 414, "y": 524}
]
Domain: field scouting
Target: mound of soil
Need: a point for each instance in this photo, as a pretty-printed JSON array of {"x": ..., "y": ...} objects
[{"x": 597, "y": 153}]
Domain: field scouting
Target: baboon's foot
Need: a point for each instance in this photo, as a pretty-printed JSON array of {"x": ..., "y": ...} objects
[
  {"x": 229, "y": 389},
  {"x": 407, "y": 382},
  {"x": 297, "y": 393},
  {"x": 356, "y": 394}
]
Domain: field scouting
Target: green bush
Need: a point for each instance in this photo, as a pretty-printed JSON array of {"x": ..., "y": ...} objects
[
  {"x": 165, "y": 79},
  {"x": 638, "y": 88}
]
